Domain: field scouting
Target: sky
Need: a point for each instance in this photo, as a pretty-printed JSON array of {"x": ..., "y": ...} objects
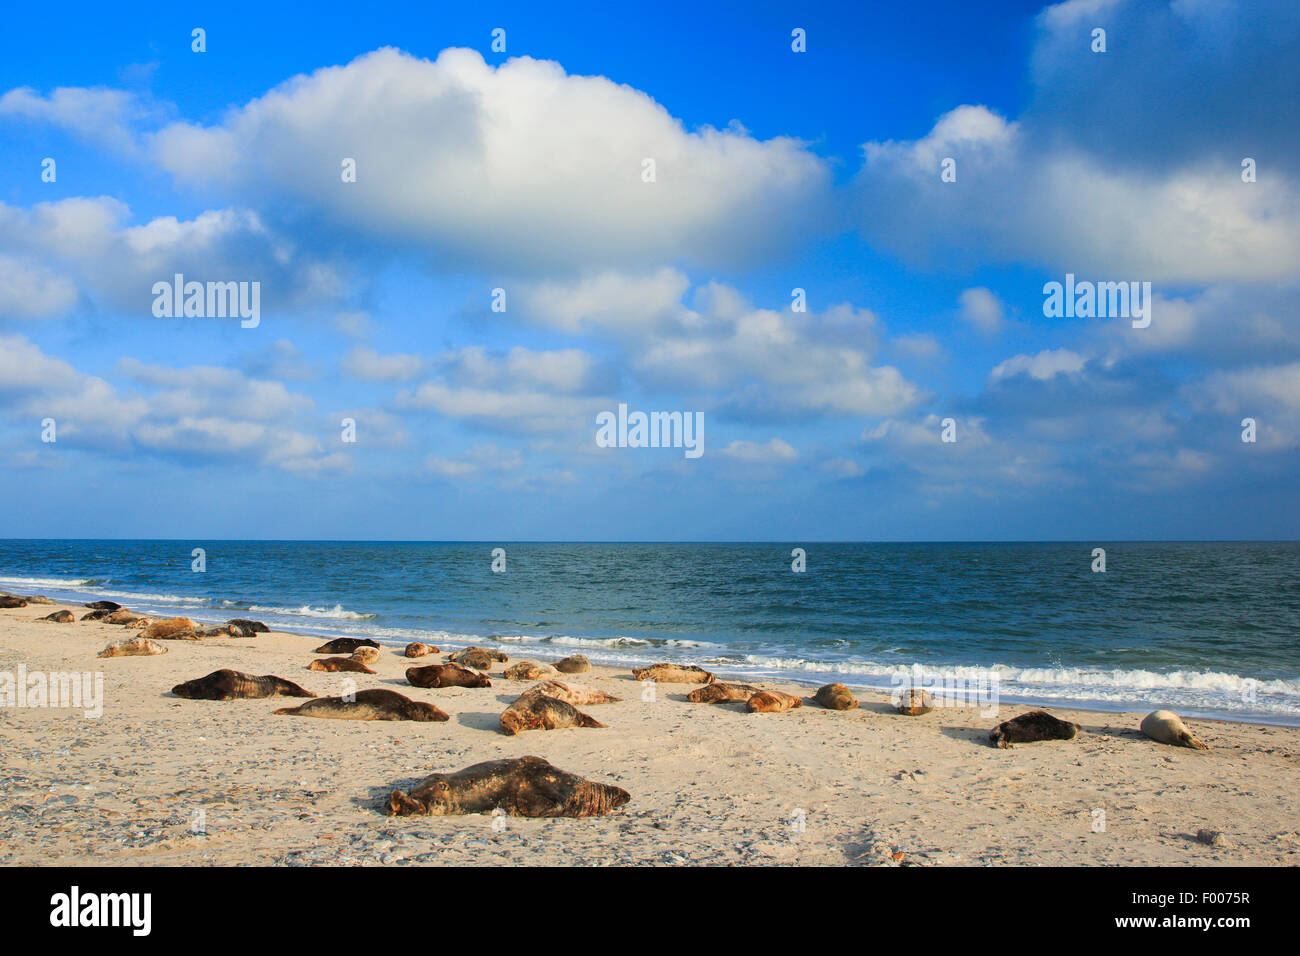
[{"x": 617, "y": 209}]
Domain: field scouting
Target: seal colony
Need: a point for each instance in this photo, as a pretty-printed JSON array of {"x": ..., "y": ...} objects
[{"x": 550, "y": 701}]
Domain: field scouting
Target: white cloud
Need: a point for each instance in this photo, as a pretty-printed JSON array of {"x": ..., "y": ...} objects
[
  {"x": 104, "y": 116},
  {"x": 1046, "y": 364},
  {"x": 611, "y": 301},
  {"x": 769, "y": 452},
  {"x": 89, "y": 242},
  {"x": 368, "y": 365},
  {"x": 202, "y": 412},
  {"x": 477, "y": 461},
  {"x": 28, "y": 290},
  {"x": 519, "y": 165},
  {"x": 1020, "y": 199},
  {"x": 982, "y": 309}
]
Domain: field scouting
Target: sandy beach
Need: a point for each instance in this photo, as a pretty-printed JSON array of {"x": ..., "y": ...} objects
[{"x": 710, "y": 784}]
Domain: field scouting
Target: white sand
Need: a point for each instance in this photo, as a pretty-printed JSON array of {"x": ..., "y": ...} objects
[{"x": 709, "y": 783}]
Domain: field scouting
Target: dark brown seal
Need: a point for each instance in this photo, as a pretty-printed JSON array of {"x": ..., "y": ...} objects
[
  {"x": 445, "y": 675},
  {"x": 229, "y": 685},
  {"x": 8, "y": 600},
  {"x": 722, "y": 693},
  {"x": 1030, "y": 727},
  {"x": 480, "y": 658},
  {"x": 367, "y": 705},
  {"x": 334, "y": 665},
  {"x": 523, "y": 787},
  {"x": 246, "y": 628},
  {"x": 835, "y": 697},
  {"x": 673, "y": 674},
  {"x": 344, "y": 645},
  {"x": 60, "y": 617},
  {"x": 103, "y": 605},
  {"x": 772, "y": 702},
  {"x": 533, "y": 710}
]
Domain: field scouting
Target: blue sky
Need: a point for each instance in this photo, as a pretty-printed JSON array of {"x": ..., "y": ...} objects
[{"x": 775, "y": 170}]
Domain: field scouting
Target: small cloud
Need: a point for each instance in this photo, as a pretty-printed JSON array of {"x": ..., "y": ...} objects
[
  {"x": 368, "y": 365},
  {"x": 982, "y": 309},
  {"x": 843, "y": 467},
  {"x": 768, "y": 453},
  {"x": 356, "y": 325},
  {"x": 1046, "y": 364}
]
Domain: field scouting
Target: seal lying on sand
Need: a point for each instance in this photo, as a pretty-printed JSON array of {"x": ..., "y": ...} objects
[
  {"x": 7, "y": 601},
  {"x": 229, "y": 685},
  {"x": 445, "y": 675},
  {"x": 577, "y": 694},
  {"x": 59, "y": 617},
  {"x": 246, "y": 628},
  {"x": 127, "y": 618},
  {"x": 915, "y": 702},
  {"x": 334, "y": 665},
  {"x": 478, "y": 657},
  {"x": 132, "y": 647},
  {"x": 1166, "y": 727},
  {"x": 523, "y": 787},
  {"x": 366, "y": 655},
  {"x": 574, "y": 664},
  {"x": 535, "y": 711},
  {"x": 368, "y": 705},
  {"x": 673, "y": 674},
  {"x": 835, "y": 697},
  {"x": 103, "y": 605},
  {"x": 344, "y": 645},
  {"x": 772, "y": 702},
  {"x": 218, "y": 630},
  {"x": 529, "y": 670},
  {"x": 172, "y": 629},
  {"x": 416, "y": 649},
  {"x": 1027, "y": 728},
  {"x": 723, "y": 693}
]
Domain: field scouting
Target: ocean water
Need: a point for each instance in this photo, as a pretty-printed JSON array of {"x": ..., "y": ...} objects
[{"x": 1207, "y": 629}]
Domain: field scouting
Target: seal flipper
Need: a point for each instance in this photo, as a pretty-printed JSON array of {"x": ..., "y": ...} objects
[{"x": 401, "y": 805}]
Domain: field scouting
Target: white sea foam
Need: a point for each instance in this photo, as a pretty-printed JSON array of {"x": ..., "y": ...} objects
[
  {"x": 337, "y": 612},
  {"x": 48, "y": 582}
]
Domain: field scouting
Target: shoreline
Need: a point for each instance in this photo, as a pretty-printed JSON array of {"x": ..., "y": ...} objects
[
  {"x": 710, "y": 783},
  {"x": 810, "y": 678}
]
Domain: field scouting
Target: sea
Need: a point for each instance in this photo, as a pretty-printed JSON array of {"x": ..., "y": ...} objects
[{"x": 1208, "y": 629}]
